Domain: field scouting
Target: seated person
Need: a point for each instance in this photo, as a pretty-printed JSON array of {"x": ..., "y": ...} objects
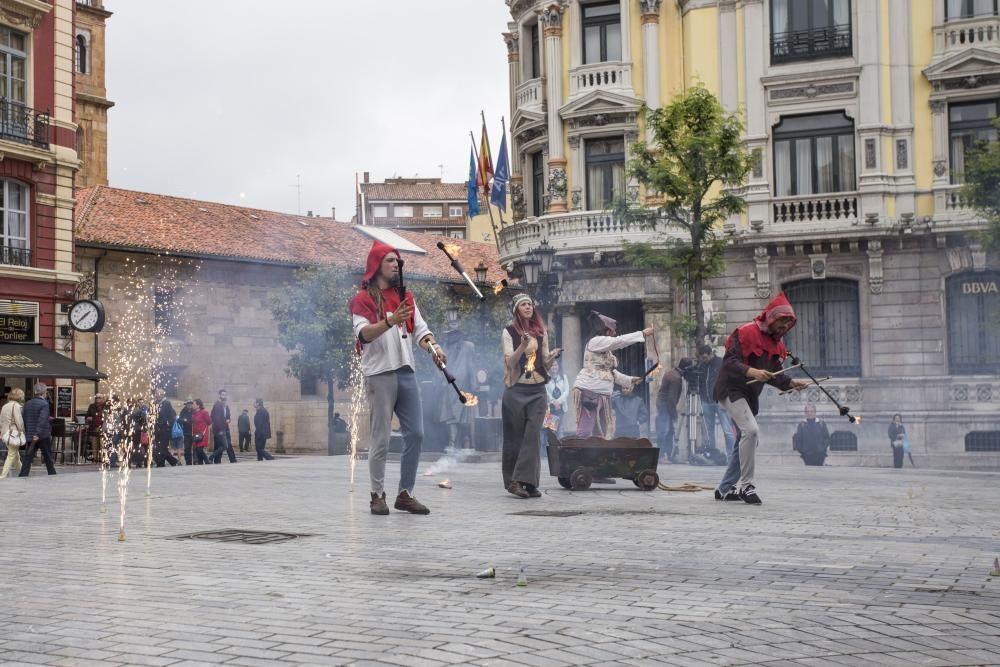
[{"x": 811, "y": 439}]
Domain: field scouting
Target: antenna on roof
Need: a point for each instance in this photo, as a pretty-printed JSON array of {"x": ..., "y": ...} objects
[
  {"x": 298, "y": 187},
  {"x": 441, "y": 169}
]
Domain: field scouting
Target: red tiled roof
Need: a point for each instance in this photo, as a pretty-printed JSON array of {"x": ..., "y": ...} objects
[
  {"x": 404, "y": 192},
  {"x": 126, "y": 219}
]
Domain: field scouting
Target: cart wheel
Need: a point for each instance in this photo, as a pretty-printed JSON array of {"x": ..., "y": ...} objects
[
  {"x": 580, "y": 479},
  {"x": 647, "y": 480},
  {"x": 635, "y": 480},
  {"x": 564, "y": 482}
]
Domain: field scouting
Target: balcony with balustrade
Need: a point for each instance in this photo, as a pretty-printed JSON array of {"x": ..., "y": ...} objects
[
  {"x": 955, "y": 35},
  {"x": 530, "y": 95},
  {"x": 577, "y": 232},
  {"x": 613, "y": 76}
]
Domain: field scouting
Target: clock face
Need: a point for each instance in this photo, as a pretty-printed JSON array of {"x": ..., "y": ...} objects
[{"x": 85, "y": 316}]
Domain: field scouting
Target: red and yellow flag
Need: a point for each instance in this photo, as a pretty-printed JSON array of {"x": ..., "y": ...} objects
[{"x": 484, "y": 176}]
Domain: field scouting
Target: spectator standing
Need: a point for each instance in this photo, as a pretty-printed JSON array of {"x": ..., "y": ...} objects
[
  {"x": 96, "y": 414},
  {"x": 812, "y": 438},
  {"x": 899, "y": 441},
  {"x": 12, "y": 429},
  {"x": 710, "y": 365},
  {"x": 262, "y": 430},
  {"x": 667, "y": 399},
  {"x": 186, "y": 418},
  {"x": 38, "y": 431},
  {"x": 243, "y": 426},
  {"x": 201, "y": 429},
  {"x": 630, "y": 412},
  {"x": 557, "y": 389},
  {"x": 162, "y": 430},
  {"x": 220, "y": 430}
]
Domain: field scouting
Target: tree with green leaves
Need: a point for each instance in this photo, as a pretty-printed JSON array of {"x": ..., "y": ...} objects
[
  {"x": 315, "y": 326},
  {"x": 982, "y": 189},
  {"x": 695, "y": 154}
]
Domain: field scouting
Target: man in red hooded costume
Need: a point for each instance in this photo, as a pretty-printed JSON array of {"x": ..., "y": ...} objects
[
  {"x": 754, "y": 351},
  {"x": 386, "y": 327}
]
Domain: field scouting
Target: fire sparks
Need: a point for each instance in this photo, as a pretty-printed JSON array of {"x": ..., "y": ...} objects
[
  {"x": 471, "y": 400},
  {"x": 500, "y": 286},
  {"x": 358, "y": 404},
  {"x": 452, "y": 249},
  {"x": 445, "y": 484},
  {"x": 857, "y": 420}
]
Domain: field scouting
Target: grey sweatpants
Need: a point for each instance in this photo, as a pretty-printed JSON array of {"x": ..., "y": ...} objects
[
  {"x": 739, "y": 472},
  {"x": 395, "y": 391}
]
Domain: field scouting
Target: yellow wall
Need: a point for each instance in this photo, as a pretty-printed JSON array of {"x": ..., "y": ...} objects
[
  {"x": 701, "y": 48},
  {"x": 922, "y": 36}
]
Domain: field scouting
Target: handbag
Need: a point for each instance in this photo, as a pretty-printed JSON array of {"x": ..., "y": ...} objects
[
  {"x": 14, "y": 437},
  {"x": 177, "y": 431}
]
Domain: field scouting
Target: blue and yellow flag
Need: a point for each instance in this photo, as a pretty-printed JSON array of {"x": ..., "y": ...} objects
[{"x": 498, "y": 195}]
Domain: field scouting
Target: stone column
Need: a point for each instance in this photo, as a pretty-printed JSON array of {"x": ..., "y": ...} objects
[
  {"x": 551, "y": 18},
  {"x": 572, "y": 356},
  {"x": 651, "y": 52},
  {"x": 657, "y": 315},
  {"x": 872, "y": 182},
  {"x": 513, "y": 39},
  {"x": 754, "y": 29}
]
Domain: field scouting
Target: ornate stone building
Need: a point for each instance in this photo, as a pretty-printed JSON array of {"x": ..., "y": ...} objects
[
  {"x": 92, "y": 102},
  {"x": 861, "y": 114}
]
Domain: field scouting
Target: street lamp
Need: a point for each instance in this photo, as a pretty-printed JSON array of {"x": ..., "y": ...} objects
[
  {"x": 451, "y": 315},
  {"x": 546, "y": 254},
  {"x": 530, "y": 267},
  {"x": 481, "y": 272}
]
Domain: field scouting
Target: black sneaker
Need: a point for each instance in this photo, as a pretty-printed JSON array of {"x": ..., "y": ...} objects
[
  {"x": 749, "y": 495},
  {"x": 731, "y": 494}
]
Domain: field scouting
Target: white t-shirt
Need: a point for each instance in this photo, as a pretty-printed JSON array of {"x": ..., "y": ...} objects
[{"x": 390, "y": 351}]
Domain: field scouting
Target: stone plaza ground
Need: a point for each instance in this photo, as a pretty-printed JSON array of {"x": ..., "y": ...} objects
[{"x": 840, "y": 566}]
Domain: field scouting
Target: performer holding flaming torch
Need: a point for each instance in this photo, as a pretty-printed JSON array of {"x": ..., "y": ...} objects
[
  {"x": 526, "y": 370},
  {"x": 754, "y": 354},
  {"x": 383, "y": 313},
  {"x": 596, "y": 381}
]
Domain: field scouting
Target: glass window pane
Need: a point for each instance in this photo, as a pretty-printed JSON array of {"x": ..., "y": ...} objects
[
  {"x": 614, "y": 43},
  {"x": 958, "y": 158},
  {"x": 401, "y": 211},
  {"x": 595, "y": 187},
  {"x": 824, "y": 164},
  {"x": 845, "y": 149},
  {"x": 803, "y": 167},
  {"x": 978, "y": 111},
  {"x": 981, "y": 7},
  {"x": 782, "y": 169},
  {"x": 822, "y": 12},
  {"x": 592, "y": 44},
  {"x": 841, "y": 12},
  {"x": 618, "y": 182},
  {"x": 17, "y": 197},
  {"x": 779, "y": 16},
  {"x": 17, "y": 41},
  {"x": 590, "y": 11}
]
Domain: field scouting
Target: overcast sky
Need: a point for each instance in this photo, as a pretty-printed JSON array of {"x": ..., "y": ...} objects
[{"x": 230, "y": 100}]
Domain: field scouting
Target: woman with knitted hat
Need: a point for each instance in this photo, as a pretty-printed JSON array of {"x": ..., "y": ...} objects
[
  {"x": 526, "y": 370},
  {"x": 596, "y": 381}
]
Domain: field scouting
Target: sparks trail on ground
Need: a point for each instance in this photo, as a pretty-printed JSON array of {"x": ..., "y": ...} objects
[{"x": 357, "y": 383}]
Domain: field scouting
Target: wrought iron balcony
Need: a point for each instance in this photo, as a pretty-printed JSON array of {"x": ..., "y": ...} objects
[
  {"x": 15, "y": 256},
  {"x": 23, "y": 124},
  {"x": 832, "y": 41}
]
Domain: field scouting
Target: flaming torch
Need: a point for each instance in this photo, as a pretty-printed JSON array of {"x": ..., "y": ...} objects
[
  {"x": 529, "y": 366},
  {"x": 500, "y": 286},
  {"x": 462, "y": 396},
  {"x": 451, "y": 251}
]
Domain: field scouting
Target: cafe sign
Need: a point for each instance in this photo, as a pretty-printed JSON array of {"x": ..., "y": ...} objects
[{"x": 17, "y": 328}]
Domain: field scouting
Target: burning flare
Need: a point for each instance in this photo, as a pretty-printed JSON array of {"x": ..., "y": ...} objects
[
  {"x": 471, "y": 400},
  {"x": 499, "y": 287},
  {"x": 445, "y": 484},
  {"x": 452, "y": 249}
]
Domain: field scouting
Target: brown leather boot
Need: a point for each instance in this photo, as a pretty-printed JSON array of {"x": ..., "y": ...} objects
[
  {"x": 378, "y": 505},
  {"x": 407, "y": 503},
  {"x": 517, "y": 489}
]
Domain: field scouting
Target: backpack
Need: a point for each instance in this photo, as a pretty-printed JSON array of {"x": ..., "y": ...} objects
[{"x": 177, "y": 431}]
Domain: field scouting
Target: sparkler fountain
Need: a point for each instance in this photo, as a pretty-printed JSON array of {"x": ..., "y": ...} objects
[{"x": 357, "y": 406}]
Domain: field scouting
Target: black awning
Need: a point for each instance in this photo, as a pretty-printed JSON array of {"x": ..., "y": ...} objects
[{"x": 35, "y": 361}]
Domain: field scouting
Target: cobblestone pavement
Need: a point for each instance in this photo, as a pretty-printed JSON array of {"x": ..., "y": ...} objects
[{"x": 840, "y": 566}]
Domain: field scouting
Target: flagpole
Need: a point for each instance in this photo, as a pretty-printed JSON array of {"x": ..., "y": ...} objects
[{"x": 493, "y": 224}]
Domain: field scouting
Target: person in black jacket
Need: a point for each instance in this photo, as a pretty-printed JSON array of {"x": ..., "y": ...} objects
[
  {"x": 261, "y": 430},
  {"x": 708, "y": 373},
  {"x": 186, "y": 417},
  {"x": 38, "y": 431},
  {"x": 812, "y": 438},
  {"x": 165, "y": 416},
  {"x": 243, "y": 428}
]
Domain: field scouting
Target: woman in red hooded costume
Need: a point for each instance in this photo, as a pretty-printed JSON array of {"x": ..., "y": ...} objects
[
  {"x": 754, "y": 351},
  {"x": 381, "y": 318}
]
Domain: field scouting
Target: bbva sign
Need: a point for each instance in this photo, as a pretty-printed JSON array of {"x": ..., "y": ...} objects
[{"x": 980, "y": 287}]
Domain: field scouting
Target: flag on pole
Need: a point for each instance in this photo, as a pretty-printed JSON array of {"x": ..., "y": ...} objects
[
  {"x": 498, "y": 195},
  {"x": 473, "y": 194},
  {"x": 485, "y": 163}
]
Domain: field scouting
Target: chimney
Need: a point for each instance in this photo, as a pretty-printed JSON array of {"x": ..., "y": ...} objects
[
  {"x": 333, "y": 212},
  {"x": 366, "y": 177},
  {"x": 309, "y": 214}
]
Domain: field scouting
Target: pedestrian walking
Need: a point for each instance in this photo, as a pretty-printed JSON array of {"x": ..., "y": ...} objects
[
  {"x": 186, "y": 418},
  {"x": 708, "y": 373},
  {"x": 38, "y": 431},
  {"x": 667, "y": 399},
  {"x": 243, "y": 429},
  {"x": 12, "y": 431},
  {"x": 524, "y": 399},
  {"x": 220, "y": 430},
  {"x": 261, "y": 430},
  {"x": 163, "y": 430},
  {"x": 201, "y": 429}
]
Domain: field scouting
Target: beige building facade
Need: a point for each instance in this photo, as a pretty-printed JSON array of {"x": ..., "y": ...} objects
[{"x": 92, "y": 103}]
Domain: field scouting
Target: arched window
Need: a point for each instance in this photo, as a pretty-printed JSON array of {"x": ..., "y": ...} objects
[
  {"x": 14, "y": 236},
  {"x": 81, "y": 54},
  {"x": 827, "y": 336},
  {"x": 973, "y": 312}
]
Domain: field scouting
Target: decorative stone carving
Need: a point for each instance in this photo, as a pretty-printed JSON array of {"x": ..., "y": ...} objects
[
  {"x": 512, "y": 39},
  {"x": 978, "y": 257},
  {"x": 938, "y": 106},
  {"x": 984, "y": 393},
  {"x": 875, "y": 266},
  {"x": 758, "y": 162},
  {"x": 633, "y": 194},
  {"x": 870, "y": 159},
  {"x": 648, "y": 7},
  {"x": 576, "y": 200},
  {"x": 763, "y": 275},
  {"x": 960, "y": 392},
  {"x": 557, "y": 186},
  {"x": 902, "y": 155},
  {"x": 517, "y": 200},
  {"x": 631, "y": 136},
  {"x": 939, "y": 168},
  {"x": 574, "y": 142},
  {"x": 21, "y": 15},
  {"x": 551, "y": 18},
  {"x": 853, "y": 394},
  {"x": 812, "y": 90},
  {"x": 603, "y": 118}
]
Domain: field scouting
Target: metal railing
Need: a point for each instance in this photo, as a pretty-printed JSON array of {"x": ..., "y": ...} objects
[
  {"x": 23, "y": 124},
  {"x": 15, "y": 256},
  {"x": 831, "y": 41}
]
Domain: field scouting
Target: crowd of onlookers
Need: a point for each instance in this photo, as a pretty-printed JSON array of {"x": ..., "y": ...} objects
[{"x": 133, "y": 431}]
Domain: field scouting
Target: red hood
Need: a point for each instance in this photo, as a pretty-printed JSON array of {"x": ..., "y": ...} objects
[
  {"x": 779, "y": 307},
  {"x": 375, "y": 256}
]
